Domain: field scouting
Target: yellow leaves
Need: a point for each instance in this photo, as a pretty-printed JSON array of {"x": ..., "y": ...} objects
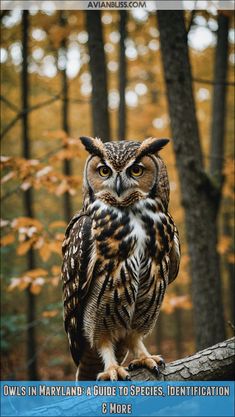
[{"x": 7, "y": 239}]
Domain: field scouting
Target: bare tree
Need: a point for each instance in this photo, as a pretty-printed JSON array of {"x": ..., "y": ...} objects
[
  {"x": 100, "y": 115},
  {"x": 218, "y": 133},
  {"x": 28, "y": 199},
  {"x": 219, "y": 101},
  {"x": 199, "y": 196},
  {"x": 122, "y": 76},
  {"x": 67, "y": 169}
]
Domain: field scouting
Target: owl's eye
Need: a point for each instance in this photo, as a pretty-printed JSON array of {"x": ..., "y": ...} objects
[
  {"x": 136, "y": 170},
  {"x": 104, "y": 171}
]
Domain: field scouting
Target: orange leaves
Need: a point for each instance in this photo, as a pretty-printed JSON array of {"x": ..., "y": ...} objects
[
  {"x": 35, "y": 278},
  {"x": 7, "y": 239},
  {"x": 55, "y": 134},
  {"x": 229, "y": 173},
  {"x": 224, "y": 248},
  {"x": 32, "y": 235},
  {"x": 224, "y": 244},
  {"x": 33, "y": 173},
  {"x": 27, "y": 223},
  {"x": 50, "y": 314},
  {"x": 24, "y": 247},
  {"x": 37, "y": 174},
  {"x": 57, "y": 33},
  {"x": 58, "y": 224},
  {"x": 172, "y": 302},
  {"x": 45, "y": 251},
  {"x": 69, "y": 184}
]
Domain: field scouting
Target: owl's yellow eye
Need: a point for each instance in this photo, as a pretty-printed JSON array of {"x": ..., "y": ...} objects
[
  {"x": 136, "y": 170},
  {"x": 104, "y": 171}
]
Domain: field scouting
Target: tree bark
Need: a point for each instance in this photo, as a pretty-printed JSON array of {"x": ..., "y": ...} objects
[
  {"x": 28, "y": 200},
  {"x": 215, "y": 363},
  {"x": 178, "y": 326},
  {"x": 228, "y": 230},
  {"x": 67, "y": 169},
  {"x": 219, "y": 101},
  {"x": 122, "y": 77},
  {"x": 199, "y": 197},
  {"x": 100, "y": 115}
]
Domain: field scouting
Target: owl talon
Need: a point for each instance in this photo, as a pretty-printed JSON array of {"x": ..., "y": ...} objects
[
  {"x": 133, "y": 366},
  {"x": 162, "y": 363},
  {"x": 114, "y": 373},
  {"x": 153, "y": 363},
  {"x": 156, "y": 370}
]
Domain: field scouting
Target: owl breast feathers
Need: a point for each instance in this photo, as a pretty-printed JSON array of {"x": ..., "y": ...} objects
[{"x": 120, "y": 253}]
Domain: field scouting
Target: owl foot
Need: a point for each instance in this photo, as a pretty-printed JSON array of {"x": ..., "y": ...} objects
[
  {"x": 153, "y": 363},
  {"x": 114, "y": 373}
]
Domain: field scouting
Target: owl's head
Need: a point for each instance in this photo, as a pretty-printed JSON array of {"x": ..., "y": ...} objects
[{"x": 122, "y": 173}]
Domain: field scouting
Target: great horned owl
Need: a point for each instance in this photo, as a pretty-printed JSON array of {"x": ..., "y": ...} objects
[{"x": 120, "y": 253}]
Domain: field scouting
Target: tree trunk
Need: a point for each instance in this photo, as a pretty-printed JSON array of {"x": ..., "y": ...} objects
[
  {"x": 159, "y": 328},
  {"x": 67, "y": 169},
  {"x": 28, "y": 200},
  {"x": 178, "y": 326},
  {"x": 219, "y": 101},
  {"x": 228, "y": 231},
  {"x": 122, "y": 77},
  {"x": 199, "y": 197},
  {"x": 100, "y": 115}
]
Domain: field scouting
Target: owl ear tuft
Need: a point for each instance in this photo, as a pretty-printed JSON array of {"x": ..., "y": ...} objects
[
  {"x": 93, "y": 145},
  {"x": 151, "y": 146}
]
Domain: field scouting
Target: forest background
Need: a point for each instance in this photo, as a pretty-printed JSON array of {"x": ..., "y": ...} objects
[{"x": 118, "y": 75}]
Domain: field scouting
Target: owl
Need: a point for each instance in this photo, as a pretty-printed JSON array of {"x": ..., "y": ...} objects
[{"x": 120, "y": 252}]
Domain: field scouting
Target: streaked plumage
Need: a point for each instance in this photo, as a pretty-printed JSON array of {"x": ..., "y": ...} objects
[{"x": 120, "y": 253}]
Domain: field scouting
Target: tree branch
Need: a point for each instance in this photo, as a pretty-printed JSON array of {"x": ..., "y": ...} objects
[
  {"x": 211, "y": 364},
  {"x": 29, "y": 110},
  {"x": 211, "y": 82},
  {"x": 193, "y": 13},
  {"x": 11, "y": 105}
]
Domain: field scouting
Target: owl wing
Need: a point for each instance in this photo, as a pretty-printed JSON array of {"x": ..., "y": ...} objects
[
  {"x": 174, "y": 256},
  {"x": 76, "y": 250}
]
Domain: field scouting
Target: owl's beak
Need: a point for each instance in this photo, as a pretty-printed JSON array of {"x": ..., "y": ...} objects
[{"x": 118, "y": 185}]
